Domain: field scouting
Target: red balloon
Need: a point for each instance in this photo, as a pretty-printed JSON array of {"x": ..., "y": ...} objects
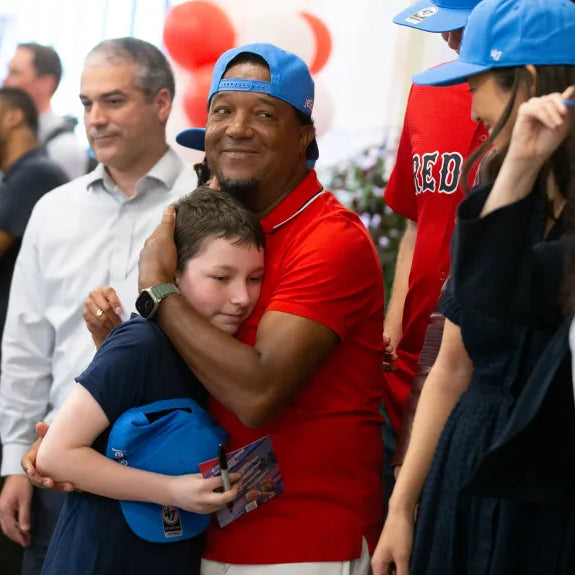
[
  {"x": 322, "y": 42},
  {"x": 196, "y": 96},
  {"x": 197, "y": 33}
]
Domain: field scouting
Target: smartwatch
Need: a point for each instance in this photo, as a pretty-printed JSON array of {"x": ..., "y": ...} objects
[{"x": 149, "y": 299}]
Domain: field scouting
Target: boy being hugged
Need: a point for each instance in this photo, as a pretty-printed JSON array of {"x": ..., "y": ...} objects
[{"x": 220, "y": 268}]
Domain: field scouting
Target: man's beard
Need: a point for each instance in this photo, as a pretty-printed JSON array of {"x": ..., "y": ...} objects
[{"x": 241, "y": 190}]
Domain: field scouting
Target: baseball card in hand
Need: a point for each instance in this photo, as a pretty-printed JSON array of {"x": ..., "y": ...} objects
[{"x": 261, "y": 477}]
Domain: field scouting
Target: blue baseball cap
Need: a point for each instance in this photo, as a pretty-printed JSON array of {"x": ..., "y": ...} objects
[
  {"x": 290, "y": 81},
  {"x": 171, "y": 437},
  {"x": 194, "y": 138},
  {"x": 504, "y": 33},
  {"x": 436, "y": 15}
]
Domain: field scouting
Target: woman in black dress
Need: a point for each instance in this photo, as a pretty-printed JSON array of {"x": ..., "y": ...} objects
[{"x": 503, "y": 309}]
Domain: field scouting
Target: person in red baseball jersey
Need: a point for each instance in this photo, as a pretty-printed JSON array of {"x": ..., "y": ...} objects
[{"x": 438, "y": 135}]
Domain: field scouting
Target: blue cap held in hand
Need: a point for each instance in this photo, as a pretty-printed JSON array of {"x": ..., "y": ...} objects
[
  {"x": 171, "y": 437},
  {"x": 436, "y": 15},
  {"x": 507, "y": 33},
  {"x": 290, "y": 81}
]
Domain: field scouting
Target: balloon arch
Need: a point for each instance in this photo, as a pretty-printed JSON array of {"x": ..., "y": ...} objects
[{"x": 196, "y": 33}]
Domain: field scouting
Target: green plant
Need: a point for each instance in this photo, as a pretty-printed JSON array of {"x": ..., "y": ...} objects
[{"x": 359, "y": 184}]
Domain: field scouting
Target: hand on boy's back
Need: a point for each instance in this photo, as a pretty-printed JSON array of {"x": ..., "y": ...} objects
[
  {"x": 158, "y": 258},
  {"x": 102, "y": 311},
  {"x": 29, "y": 464}
]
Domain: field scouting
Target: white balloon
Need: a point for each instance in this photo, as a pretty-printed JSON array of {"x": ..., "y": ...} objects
[
  {"x": 323, "y": 109},
  {"x": 282, "y": 27}
]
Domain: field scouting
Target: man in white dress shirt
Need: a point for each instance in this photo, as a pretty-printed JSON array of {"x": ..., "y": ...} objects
[
  {"x": 37, "y": 70},
  {"x": 83, "y": 235}
]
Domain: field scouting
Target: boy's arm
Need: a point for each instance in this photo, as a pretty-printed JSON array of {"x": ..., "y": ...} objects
[{"x": 66, "y": 454}]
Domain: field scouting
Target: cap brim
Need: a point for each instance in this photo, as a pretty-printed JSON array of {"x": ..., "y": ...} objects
[
  {"x": 444, "y": 20},
  {"x": 449, "y": 74},
  {"x": 194, "y": 138}
]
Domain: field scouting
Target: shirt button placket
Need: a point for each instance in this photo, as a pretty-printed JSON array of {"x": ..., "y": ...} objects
[{"x": 121, "y": 244}]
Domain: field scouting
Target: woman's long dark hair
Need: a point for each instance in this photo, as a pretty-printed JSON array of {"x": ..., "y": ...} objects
[
  {"x": 569, "y": 284},
  {"x": 203, "y": 173},
  {"x": 549, "y": 79},
  {"x": 561, "y": 164}
]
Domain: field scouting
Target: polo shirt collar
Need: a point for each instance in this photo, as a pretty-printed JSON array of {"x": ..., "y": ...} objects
[
  {"x": 294, "y": 203},
  {"x": 166, "y": 171}
]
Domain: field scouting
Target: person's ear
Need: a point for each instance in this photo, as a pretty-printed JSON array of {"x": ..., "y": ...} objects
[
  {"x": 163, "y": 102},
  {"x": 306, "y": 136},
  {"x": 47, "y": 84},
  {"x": 532, "y": 83}
]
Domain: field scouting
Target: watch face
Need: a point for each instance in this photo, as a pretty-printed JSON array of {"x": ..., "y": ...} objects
[{"x": 145, "y": 304}]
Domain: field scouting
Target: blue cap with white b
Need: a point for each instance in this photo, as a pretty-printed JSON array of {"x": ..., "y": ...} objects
[
  {"x": 436, "y": 15},
  {"x": 507, "y": 33},
  {"x": 171, "y": 437},
  {"x": 290, "y": 81}
]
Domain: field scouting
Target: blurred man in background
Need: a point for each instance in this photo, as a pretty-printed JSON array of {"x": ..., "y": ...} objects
[
  {"x": 37, "y": 70},
  {"x": 28, "y": 175}
]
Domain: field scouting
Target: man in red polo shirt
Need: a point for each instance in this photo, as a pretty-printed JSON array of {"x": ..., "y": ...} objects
[
  {"x": 306, "y": 368},
  {"x": 438, "y": 135}
]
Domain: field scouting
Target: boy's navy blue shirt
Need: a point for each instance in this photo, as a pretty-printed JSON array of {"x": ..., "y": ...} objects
[{"x": 135, "y": 365}]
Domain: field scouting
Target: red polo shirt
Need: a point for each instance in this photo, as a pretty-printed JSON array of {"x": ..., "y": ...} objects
[
  {"x": 438, "y": 135},
  {"x": 320, "y": 263}
]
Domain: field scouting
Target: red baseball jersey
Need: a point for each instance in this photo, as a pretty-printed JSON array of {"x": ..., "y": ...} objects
[{"x": 438, "y": 135}]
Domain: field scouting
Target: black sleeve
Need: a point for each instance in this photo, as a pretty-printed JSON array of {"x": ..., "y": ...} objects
[
  {"x": 118, "y": 374},
  {"x": 547, "y": 280},
  {"x": 19, "y": 195},
  {"x": 449, "y": 306},
  {"x": 493, "y": 257}
]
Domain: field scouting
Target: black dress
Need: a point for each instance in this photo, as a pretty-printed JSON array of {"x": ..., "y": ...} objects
[{"x": 505, "y": 296}]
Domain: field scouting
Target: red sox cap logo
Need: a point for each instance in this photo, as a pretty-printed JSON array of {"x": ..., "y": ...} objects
[{"x": 422, "y": 15}]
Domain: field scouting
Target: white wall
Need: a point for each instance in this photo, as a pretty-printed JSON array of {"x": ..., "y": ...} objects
[{"x": 367, "y": 76}]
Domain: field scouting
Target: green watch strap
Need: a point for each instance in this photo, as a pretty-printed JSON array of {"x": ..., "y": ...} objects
[{"x": 162, "y": 290}]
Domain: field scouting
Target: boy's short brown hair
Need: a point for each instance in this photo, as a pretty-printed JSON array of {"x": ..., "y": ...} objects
[{"x": 208, "y": 213}]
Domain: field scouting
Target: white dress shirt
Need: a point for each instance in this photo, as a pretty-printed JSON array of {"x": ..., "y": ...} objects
[
  {"x": 65, "y": 149},
  {"x": 80, "y": 236}
]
